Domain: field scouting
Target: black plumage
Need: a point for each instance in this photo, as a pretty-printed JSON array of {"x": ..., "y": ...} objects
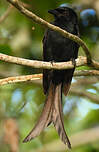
[{"x": 57, "y": 48}]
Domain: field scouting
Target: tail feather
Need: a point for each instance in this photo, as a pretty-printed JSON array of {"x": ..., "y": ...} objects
[
  {"x": 44, "y": 119},
  {"x": 52, "y": 112},
  {"x": 58, "y": 116}
]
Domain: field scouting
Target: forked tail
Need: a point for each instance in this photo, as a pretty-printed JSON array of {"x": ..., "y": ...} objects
[{"x": 52, "y": 112}]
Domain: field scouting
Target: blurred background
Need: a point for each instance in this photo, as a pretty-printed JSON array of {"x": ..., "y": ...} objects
[{"x": 21, "y": 104}]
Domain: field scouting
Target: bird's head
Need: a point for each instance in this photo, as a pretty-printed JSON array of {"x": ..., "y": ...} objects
[{"x": 64, "y": 13}]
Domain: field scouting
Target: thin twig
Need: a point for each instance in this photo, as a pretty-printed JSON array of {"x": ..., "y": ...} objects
[
  {"x": 83, "y": 93},
  {"x": 86, "y": 81},
  {"x": 46, "y": 65},
  {"x": 45, "y": 24},
  {"x": 5, "y": 15},
  {"x": 19, "y": 79},
  {"x": 86, "y": 73}
]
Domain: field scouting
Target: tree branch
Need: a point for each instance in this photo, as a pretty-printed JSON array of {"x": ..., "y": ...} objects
[
  {"x": 45, "y": 24},
  {"x": 5, "y": 15},
  {"x": 86, "y": 81},
  {"x": 82, "y": 93},
  {"x": 19, "y": 79},
  {"x": 85, "y": 94},
  {"x": 86, "y": 73},
  {"x": 40, "y": 64},
  {"x": 46, "y": 65}
]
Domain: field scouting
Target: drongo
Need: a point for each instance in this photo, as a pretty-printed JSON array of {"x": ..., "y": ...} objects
[{"x": 57, "y": 48}]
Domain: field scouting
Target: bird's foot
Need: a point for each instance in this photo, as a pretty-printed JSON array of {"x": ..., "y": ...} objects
[
  {"x": 52, "y": 62},
  {"x": 73, "y": 62}
]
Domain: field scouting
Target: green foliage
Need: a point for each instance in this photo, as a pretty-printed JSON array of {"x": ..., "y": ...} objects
[{"x": 4, "y": 48}]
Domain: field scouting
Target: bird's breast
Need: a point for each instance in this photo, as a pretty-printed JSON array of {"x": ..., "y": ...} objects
[{"x": 61, "y": 47}]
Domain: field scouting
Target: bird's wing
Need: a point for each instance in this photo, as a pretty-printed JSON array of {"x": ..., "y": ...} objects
[{"x": 46, "y": 55}]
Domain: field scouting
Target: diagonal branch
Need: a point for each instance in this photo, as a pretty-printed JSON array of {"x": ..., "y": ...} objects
[
  {"x": 45, "y": 24},
  {"x": 82, "y": 93},
  {"x": 86, "y": 81},
  {"x": 5, "y": 15}
]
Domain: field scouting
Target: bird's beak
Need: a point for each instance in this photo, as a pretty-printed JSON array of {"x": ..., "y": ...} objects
[{"x": 54, "y": 12}]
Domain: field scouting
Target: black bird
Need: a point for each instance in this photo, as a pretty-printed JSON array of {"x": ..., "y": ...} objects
[{"x": 57, "y": 48}]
